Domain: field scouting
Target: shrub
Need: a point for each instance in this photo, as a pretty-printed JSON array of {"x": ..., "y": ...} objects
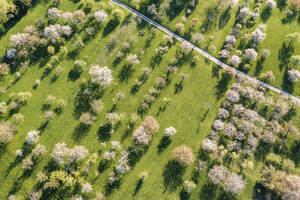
[
  {"x": 218, "y": 174},
  {"x": 4, "y": 69},
  {"x": 234, "y": 183},
  {"x": 32, "y": 137}
]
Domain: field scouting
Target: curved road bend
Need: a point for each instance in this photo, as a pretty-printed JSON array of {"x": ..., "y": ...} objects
[{"x": 202, "y": 52}]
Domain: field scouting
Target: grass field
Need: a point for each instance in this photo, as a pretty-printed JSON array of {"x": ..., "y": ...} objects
[{"x": 185, "y": 110}]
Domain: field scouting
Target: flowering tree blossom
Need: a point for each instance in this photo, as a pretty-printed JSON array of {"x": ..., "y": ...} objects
[
  {"x": 217, "y": 174},
  {"x": 235, "y": 60},
  {"x": 7, "y": 131},
  {"x": 77, "y": 153},
  {"x": 170, "y": 131},
  {"x": 218, "y": 125},
  {"x": 234, "y": 183},
  {"x": 32, "y": 137},
  {"x": 189, "y": 186},
  {"x": 209, "y": 145},
  {"x": 244, "y": 12},
  {"x": 185, "y": 47},
  {"x": 258, "y": 36},
  {"x": 123, "y": 164},
  {"x": 59, "y": 152},
  {"x": 223, "y": 113},
  {"x": 293, "y": 75},
  {"x": 250, "y": 115},
  {"x": 11, "y": 53},
  {"x": 224, "y": 53},
  {"x": 87, "y": 188},
  {"x": 100, "y": 16},
  {"x": 109, "y": 155},
  {"x": 230, "y": 39},
  {"x": 270, "y": 4},
  {"x": 239, "y": 110},
  {"x": 18, "y": 40},
  {"x": 53, "y": 13},
  {"x": 101, "y": 75},
  {"x": 183, "y": 155},
  {"x": 250, "y": 54},
  {"x": 142, "y": 136},
  {"x": 55, "y": 31},
  {"x": 132, "y": 59},
  {"x": 232, "y": 96},
  {"x": 230, "y": 130}
]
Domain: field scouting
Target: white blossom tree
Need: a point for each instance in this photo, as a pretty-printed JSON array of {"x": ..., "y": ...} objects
[
  {"x": 218, "y": 174},
  {"x": 101, "y": 75},
  {"x": 250, "y": 54},
  {"x": 170, "y": 131},
  {"x": 32, "y": 137},
  {"x": 258, "y": 36},
  {"x": 100, "y": 16},
  {"x": 235, "y": 60},
  {"x": 234, "y": 183},
  {"x": 209, "y": 145},
  {"x": 270, "y": 4},
  {"x": 293, "y": 75}
]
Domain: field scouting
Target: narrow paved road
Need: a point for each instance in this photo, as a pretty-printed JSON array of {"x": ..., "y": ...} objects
[{"x": 202, "y": 52}]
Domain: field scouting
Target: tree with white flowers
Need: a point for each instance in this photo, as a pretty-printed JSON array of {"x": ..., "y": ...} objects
[
  {"x": 258, "y": 36},
  {"x": 7, "y": 131},
  {"x": 232, "y": 96},
  {"x": 18, "y": 40},
  {"x": 230, "y": 39},
  {"x": 53, "y": 13},
  {"x": 59, "y": 152},
  {"x": 235, "y": 60},
  {"x": 293, "y": 75},
  {"x": 250, "y": 54},
  {"x": 170, "y": 131},
  {"x": 270, "y": 4},
  {"x": 77, "y": 153},
  {"x": 218, "y": 174},
  {"x": 101, "y": 76},
  {"x": 32, "y": 137},
  {"x": 209, "y": 145},
  {"x": 132, "y": 59},
  {"x": 183, "y": 155},
  {"x": 234, "y": 183},
  {"x": 224, "y": 53},
  {"x": 100, "y": 16}
]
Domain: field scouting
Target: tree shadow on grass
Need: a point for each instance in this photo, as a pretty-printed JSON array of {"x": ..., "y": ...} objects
[
  {"x": 104, "y": 132},
  {"x": 163, "y": 144},
  {"x": 266, "y": 13},
  {"x": 111, "y": 25},
  {"x": 224, "y": 18},
  {"x": 259, "y": 66},
  {"x": 221, "y": 87},
  {"x": 74, "y": 75},
  {"x": 80, "y": 131},
  {"x": 172, "y": 174},
  {"x": 125, "y": 73},
  {"x": 109, "y": 188},
  {"x": 286, "y": 84},
  {"x": 281, "y": 4},
  {"x": 103, "y": 165},
  {"x": 294, "y": 153},
  {"x": 208, "y": 191},
  {"x": 138, "y": 186}
]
